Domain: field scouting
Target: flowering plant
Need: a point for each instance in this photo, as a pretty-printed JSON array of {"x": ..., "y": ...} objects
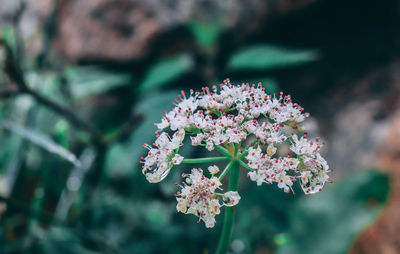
[{"x": 250, "y": 129}]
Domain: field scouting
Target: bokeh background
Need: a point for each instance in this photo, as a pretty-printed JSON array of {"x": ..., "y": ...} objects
[{"x": 83, "y": 81}]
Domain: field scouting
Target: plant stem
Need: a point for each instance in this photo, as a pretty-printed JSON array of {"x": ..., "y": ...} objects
[
  {"x": 205, "y": 160},
  {"x": 226, "y": 170},
  {"x": 224, "y": 241},
  {"x": 244, "y": 164},
  {"x": 223, "y": 151}
]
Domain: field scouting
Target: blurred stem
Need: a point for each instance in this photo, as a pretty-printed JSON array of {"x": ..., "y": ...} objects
[
  {"x": 225, "y": 239},
  {"x": 67, "y": 114},
  {"x": 205, "y": 160},
  {"x": 49, "y": 31}
]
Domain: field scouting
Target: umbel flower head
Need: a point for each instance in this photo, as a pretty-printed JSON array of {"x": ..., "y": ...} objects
[{"x": 249, "y": 128}]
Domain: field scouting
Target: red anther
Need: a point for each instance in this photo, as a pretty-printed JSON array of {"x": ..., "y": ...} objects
[
  {"x": 198, "y": 222},
  {"x": 305, "y": 133},
  {"x": 175, "y": 195},
  {"x": 176, "y": 184},
  {"x": 141, "y": 162},
  {"x": 191, "y": 90},
  {"x": 283, "y": 139},
  {"x": 183, "y": 92}
]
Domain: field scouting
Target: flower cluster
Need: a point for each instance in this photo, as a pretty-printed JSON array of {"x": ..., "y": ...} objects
[
  {"x": 227, "y": 118},
  {"x": 162, "y": 156},
  {"x": 198, "y": 196}
]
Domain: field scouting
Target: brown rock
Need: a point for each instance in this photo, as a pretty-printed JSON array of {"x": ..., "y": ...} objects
[{"x": 103, "y": 29}]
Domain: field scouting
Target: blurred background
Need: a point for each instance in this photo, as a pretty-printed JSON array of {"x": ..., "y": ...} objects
[{"x": 81, "y": 83}]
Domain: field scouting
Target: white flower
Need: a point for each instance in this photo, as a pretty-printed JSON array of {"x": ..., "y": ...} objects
[
  {"x": 213, "y": 169},
  {"x": 177, "y": 159},
  {"x": 231, "y": 198},
  {"x": 161, "y": 157},
  {"x": 198, "y": 197},
  {"x": 271, "y": 150},
  {"x": 226, "y": 117},
  {"x": 303, "y": 146}
]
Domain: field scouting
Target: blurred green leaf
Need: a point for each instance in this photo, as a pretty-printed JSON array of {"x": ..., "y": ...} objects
[
  {"x": 8, "y": 34},
  {"x": 152, "y": 108},
  {"x": 205, "y": 33},
  {"x": 328, "y": 222},
  {"x": 118, "y": 160},
  {"x": 62, "y": 241},
  {"x": 41, "y": 140},
  {"x": 61, "y": 130},
  {"x": 91, "y": 80},
  {"x": 164, "y": 71},
  {"x": 270, "y": 57},
  {"x": 122, "y": 158}
]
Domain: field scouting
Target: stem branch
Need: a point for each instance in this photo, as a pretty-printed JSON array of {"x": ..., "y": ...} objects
[
  {"x": 223, "y": 151},
  {"x": 226, "y": 170},
  {"x": 244, "y": 164},
  {"x": 205, "y": 160}
]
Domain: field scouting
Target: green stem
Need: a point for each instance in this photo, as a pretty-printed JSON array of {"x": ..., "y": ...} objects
[
  {"x": 226, "y": 170},
  {"x": 224, "y": 241},
  {"x": 244, "y": 164},
  {"x": 223, "y": 151},
  {"x": 204, "y": 160}
]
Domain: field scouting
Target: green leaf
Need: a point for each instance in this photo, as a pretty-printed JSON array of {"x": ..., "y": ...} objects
[
  {"x": 270, "y": 57},
  {"x": 63, "y": 241},
  {"x": 8, "y": 34},
  {"x": 164, "y": 71},
  {"x": 41, "y": 140},
  {"x": 205, "y": 33},
  {"x": 90, "y": 81},
  {"x": 329, "y": 221}
]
